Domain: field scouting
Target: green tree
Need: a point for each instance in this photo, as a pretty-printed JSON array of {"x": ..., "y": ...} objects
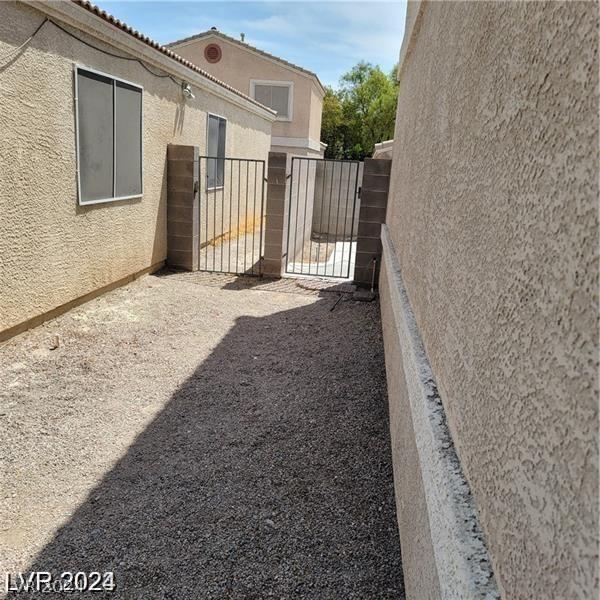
[
  {"x": 332, "y": 124},
  {"x": 361, "y": 113}
]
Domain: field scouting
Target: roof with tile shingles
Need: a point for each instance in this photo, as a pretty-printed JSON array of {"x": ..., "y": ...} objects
[{"x": 163, "y": 49}]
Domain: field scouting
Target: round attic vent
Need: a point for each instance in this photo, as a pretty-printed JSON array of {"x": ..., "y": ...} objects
[{"x": 212, "y": 53}]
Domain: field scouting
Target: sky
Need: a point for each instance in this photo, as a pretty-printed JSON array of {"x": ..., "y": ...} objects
[{"x": 328, "y": 38}]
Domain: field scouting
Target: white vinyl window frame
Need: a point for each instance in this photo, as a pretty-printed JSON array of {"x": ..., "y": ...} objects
[
  {"x": 288, "y": 84},
  {"x": 80, "y": 201},
  {"x": 221, "y": 118}
]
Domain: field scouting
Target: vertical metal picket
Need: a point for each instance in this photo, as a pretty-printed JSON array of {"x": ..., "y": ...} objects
[
  {"x": 246, "y": 200},
  {"x": 329, "y": 204}
]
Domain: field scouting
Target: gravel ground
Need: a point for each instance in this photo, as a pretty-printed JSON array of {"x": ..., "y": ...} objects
[{"x": 202, "y": 438}]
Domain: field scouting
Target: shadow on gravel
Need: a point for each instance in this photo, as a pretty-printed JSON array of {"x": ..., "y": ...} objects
[{"x": 268, "y": 474}]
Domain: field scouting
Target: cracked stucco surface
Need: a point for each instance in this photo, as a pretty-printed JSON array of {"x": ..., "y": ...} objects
[
  {"x": 51, "y": 250},
  {"x": 493, "y": 214}
]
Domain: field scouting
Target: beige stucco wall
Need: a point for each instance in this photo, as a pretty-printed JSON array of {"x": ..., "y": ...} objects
[
  {"x": 493, "y": 215},
  {"x": 53, "y": 251},
  {"x": 238, "y": 66},
  {"x": 316, "y": 114},
  {"x": 295, "y": 151}
]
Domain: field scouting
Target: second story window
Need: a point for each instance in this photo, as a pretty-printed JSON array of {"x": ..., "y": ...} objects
[
  {"x": 109, "y": 137},
  {"x": 277, "y": 95}
]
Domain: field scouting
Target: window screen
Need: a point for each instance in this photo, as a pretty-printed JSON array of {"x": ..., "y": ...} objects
[
  {"x": 274, "y": 96},
  {"x": 96, "y": 136},
  {"x": 109, "y": 137},
  {"x": 128, "y": 140},
  {"x": 216, "y": 151}
]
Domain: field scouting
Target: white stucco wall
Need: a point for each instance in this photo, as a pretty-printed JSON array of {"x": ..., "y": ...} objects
[{"x": 53, "y": 251}]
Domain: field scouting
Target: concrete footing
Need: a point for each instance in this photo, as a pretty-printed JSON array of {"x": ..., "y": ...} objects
[{"x": 443, "y": 549}]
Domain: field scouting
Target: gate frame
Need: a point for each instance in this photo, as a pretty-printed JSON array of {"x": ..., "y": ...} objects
[
  {"x": 349, "y": 274},
  {"x": 184, "y": 208},
  {"x": 207, "y": 191}
]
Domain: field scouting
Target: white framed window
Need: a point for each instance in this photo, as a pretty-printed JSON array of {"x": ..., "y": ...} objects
[
  {"x": 108, "y": 123},
  {"x": 277, "y": 95},
  {"x": 216, "y": 132}
]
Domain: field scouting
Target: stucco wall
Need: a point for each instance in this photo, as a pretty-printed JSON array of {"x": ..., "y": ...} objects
[
  {"x": 316, "y": 114},
  {"x": 52, "y": 250},
  {"x": 238, "y": 66},
  {"x": 493, "y": 215}
]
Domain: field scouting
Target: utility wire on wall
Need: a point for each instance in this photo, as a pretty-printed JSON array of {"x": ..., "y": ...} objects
[
  {"x": 90, "y": 45},
  {"x": 18, "y": 48}
]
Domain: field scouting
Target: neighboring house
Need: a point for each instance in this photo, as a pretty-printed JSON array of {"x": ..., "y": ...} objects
[
  {"x": 89, "y": 107},
  {"x": 490, "y": 256},
  {"x": 295, "y": 93}
]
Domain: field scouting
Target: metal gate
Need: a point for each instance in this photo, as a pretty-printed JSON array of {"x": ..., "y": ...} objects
[
  {"x": 231, "y": 215},
  {"x": 322, "y": 217}
]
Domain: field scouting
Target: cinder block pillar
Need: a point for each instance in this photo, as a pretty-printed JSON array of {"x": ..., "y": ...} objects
[
  {"x": 275, "y": 211},
  {"x": 373, "y": 206},
  {"x": 183, "y": 207}
]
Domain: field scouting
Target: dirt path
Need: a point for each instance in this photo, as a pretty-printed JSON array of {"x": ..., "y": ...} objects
[{"x": 202, "y": 439}]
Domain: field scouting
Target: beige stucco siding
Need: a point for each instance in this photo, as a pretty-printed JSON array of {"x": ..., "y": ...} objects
[
  {"x": 493, "y": 215},
  {"x": 316, "y": 113},
  {"x": 239, "y": 66},
  {"x": 52, "y": 250}
]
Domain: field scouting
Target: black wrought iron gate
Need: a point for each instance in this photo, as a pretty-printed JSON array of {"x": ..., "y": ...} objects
[
  {"x": 231, "y": 215},
  {"x": 322, "y": 218}
]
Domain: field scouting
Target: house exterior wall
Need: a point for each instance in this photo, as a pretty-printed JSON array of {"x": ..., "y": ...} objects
[
  {"x": 316, "y": 114},
  {"x": 239, "y": 66},
  {"x": 52, "y": 250},
  {"x": 492, "y": 217},
  {"x": 296, "y": 151}
]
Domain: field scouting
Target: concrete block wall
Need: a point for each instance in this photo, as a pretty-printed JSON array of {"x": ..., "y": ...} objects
[
  {"x": 183, "y": 207},
  {"x": 275, "y": 211},
  {"x": 336, "y": 185},
  {"x": 373, "y": 206}
]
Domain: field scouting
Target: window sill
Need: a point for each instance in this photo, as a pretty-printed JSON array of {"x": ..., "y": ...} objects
[
  {"x": 215, "y": 189},
  {"x": 108, "y": 200}
]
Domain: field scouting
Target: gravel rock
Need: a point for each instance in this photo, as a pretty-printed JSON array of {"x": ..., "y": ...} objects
[{"x": 202, "y": 442}]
